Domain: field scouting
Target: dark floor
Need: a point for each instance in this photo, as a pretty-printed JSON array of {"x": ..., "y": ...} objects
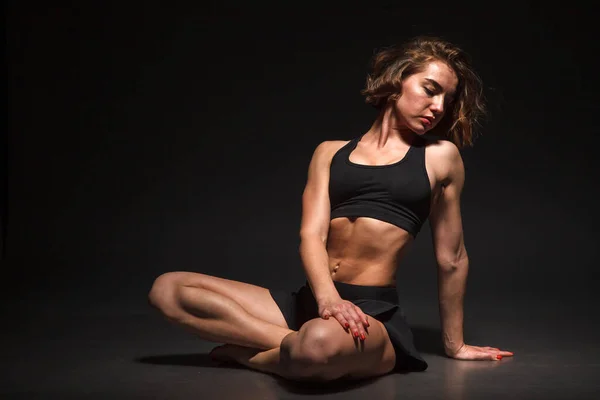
[{"x": 108, "y": 354}]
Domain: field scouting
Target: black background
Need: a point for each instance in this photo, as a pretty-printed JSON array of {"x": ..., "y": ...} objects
[
  {"x": 152, "y": 137},
  {"x": 155, "y": 137}
]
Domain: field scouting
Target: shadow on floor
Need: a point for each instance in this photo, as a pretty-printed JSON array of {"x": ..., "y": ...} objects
[
  {"x": 303, "y": 387},
  {"x": 320, "y": 388},
  {"x": 187, "y": 360},
  {"x": 428, "y": 340}
]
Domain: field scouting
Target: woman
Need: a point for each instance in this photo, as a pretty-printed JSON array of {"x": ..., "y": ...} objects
[{"x": 364, "y": 202}]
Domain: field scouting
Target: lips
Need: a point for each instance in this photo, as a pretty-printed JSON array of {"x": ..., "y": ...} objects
[{"x": 426, "y": 121}]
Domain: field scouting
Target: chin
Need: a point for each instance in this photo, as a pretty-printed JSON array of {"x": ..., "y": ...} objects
[{"x": 419, "y": 129}]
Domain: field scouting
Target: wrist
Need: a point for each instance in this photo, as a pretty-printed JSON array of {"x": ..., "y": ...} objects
[
  {"x": 452, "y": 343},
  {"x": 327, "y": 298},
  {"x": 324, "y": 292},
  {"x": 452, "y": 349}
]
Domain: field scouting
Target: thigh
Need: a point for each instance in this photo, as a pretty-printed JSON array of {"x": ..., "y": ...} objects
[
  {"x": 357, "y": 359},
  {"x": 256, "y": 300}
]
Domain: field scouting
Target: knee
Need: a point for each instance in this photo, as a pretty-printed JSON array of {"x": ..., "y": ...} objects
[
  {"x": 163, "y": 293},
  {"x": 318, "y": 343},
  {"x": 312, "y": 351}
]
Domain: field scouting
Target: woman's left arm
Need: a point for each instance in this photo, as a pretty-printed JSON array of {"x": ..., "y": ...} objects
[{"x": 453, "y": 262}]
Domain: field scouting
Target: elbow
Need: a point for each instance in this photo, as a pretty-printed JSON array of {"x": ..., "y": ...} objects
[
  {"x": 453, "y": 264},
  {"x": 311, "y": 236},
  {"x": 309, "y": 243}
]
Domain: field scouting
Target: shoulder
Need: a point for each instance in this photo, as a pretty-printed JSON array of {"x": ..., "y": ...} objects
[
  {"x": 446, "y": 159},
  {"x": 443, "y": 150},
  {"x": 325, "y": 150}
]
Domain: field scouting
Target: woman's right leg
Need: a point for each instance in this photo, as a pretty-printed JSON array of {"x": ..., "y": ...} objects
[{"x": 220, "y": 310}]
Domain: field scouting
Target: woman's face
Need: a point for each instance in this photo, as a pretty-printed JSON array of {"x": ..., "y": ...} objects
[{"x": 425, "y": 97}]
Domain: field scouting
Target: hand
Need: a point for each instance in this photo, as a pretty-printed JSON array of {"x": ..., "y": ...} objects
[
  {"x": 347, "y": 314},
  {"x": 467, "y": 352}
]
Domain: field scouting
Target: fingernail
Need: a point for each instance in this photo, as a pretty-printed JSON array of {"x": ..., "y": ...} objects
[
  {"x": 347, "y": 325},
  {"x": 499, "y": 357},
  {"x": 355, "y": 334},
  {"x": 362, "y": 336}
]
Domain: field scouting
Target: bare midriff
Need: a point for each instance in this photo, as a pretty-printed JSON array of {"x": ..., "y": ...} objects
[{"x": 365, "y": 251}]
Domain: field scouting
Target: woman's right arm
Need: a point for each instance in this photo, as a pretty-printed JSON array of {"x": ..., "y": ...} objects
[
  {"x": 313, "y": 238},
  {"x": 315, "y": 225}
]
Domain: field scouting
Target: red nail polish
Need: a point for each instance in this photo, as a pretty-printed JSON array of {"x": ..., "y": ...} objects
[
  {"x": 347, "y": 325},
  {"x": 362, "y": 336},
  {"x": 499, "y": 357},
  {"x": 355, "y": 334}
]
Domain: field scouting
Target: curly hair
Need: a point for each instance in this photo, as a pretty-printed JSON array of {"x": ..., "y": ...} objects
[{"x": 391, "y": 65}]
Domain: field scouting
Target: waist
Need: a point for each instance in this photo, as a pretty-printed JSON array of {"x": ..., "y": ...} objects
[
  {"x": 365, "y": 251},
  {"x": 351, "y": 292},
  {"x": 363, "y": 273}
]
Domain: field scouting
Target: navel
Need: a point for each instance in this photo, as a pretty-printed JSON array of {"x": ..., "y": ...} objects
[{"x": 335, "y": 269}]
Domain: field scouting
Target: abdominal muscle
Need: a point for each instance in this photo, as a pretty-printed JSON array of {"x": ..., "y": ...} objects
[{"x": 365, "y": 251}]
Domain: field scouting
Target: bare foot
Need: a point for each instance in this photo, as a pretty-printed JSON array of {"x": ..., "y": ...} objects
[{"x": 233, "y": 354}]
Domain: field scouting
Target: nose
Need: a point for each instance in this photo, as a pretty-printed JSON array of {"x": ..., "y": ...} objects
[{"x": 437, "y": 106}]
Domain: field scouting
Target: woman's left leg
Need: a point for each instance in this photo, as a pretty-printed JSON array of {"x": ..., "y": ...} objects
[{"x": 321, "y": 350}]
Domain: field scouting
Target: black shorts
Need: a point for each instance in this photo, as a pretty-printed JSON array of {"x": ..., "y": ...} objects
[{"x": 379, "y": 302}]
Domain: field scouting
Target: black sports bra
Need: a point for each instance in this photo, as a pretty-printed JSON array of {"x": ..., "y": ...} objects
[{"x": 397, "y": 193}]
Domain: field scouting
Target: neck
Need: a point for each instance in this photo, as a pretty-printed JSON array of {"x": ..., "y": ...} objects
[{"x": 387, "y": 128}]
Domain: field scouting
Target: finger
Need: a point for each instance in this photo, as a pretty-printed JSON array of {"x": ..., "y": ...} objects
[
  {"x": 339, "y": 316},
  {"x": 505, "y": 353},
  {"x": 363, "y": 316},
  {"x": 489, "y": 355},
  {"x": 358, "y": 330},
  {"x": 482, "y": 356},
  {"x": 491, "y": 348},
  {"x": 353, "y": 328}
]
